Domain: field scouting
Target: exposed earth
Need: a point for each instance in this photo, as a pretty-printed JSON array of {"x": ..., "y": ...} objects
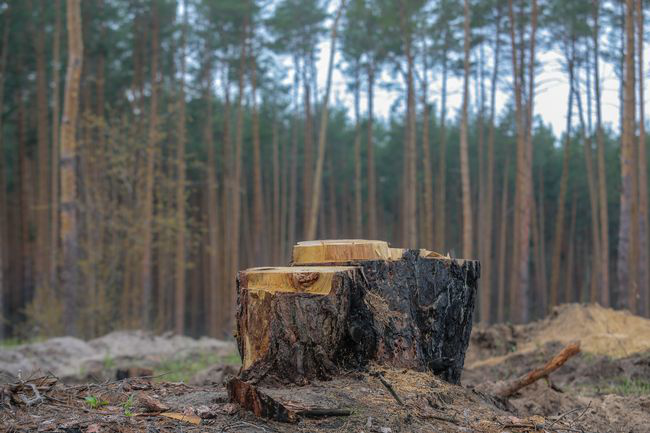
[{"x": 67, "y": 385}]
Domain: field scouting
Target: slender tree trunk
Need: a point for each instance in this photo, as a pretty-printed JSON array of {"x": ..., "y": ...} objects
[
  {"x": 259, "y": 230},
  {"x": 409, "y": 182},
  {"x": 468, "y": 236},
  {"x": 277, "y": 209},
  {"x": 503, "y": 238},
  {"x": 236, "y": 181},
  {"x": 526, "y": 177},
  {"x": 570, "y": 285},
  {"x": 148, "y": 198},
  {"x": 593, "y": 199},
  {"x": 520, "y": 162},
  {"x": 308, "y": 157},
  {"x": 559, "y": 220},
  {"x": 213, "y": 244},
  {"x": 4, "y": 214},
  {"x": 602, "y": 174},
  {"x": 370, "y": 155},
  {"x": 644, "y": 282},
  {"x": 486, "y": 235},
  {"x": 69, "y": 241},
  {"x": 441, "y": 212},
  {"x": 322, "y": 136},
  {"x": 428, "y": 211},
  {"x": 523, "y": 191},
  {"x": 293, "y": 181},
  {"x": 627, "y": 281},
  {"x": 180, "y": 272},
  {"x": 43, "y": 191},
  {"x": 358, "y": 196}
]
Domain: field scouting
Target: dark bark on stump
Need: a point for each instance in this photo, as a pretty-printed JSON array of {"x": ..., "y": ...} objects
[{"x": 415, "y": 312}]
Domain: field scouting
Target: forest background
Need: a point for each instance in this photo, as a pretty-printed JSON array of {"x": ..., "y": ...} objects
[{"x": 150, "y": 149}]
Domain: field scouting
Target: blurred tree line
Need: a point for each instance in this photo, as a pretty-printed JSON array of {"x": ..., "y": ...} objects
[{"x": 150, "y": 149}]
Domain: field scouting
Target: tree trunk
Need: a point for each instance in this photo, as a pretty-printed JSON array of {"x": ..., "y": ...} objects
[
  {"x": 350, "y": 320},
  {"x": 69, "y": 241},
  {"x": 627, "y": 281},
  {"x": 503, "y": 228},
  {"x": 409, "y": 182},
  {"x": 468, "y": 236},
  {"x": 358, "y": 196},
  {"x": 441, "y": 212},
  {"x": 236, "y": 180},
  {"x": 644, "y": 282},
  {"x": 322, "y": 135},
  {"x": 428, "y": 210},
  {"x": 179, "y": 274},
  {"x": 148, "y": 198},
  {"x": 486, "y": 235},
  {"x": 308, "y": 151},
  {"x": 4, "y": 214},
  {"x": 276, "y": 245},
  {"x": 43, "y": 192},
  {"x": 559, "y": 219},
  {"x": 259, "y": 229},
  {"x": 593, "y": 199},
  {"x": 370, "y": 155},
  {"x": 602, "y": 174}
]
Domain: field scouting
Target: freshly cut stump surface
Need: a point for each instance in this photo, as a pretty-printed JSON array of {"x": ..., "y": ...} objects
[{"x": 401, "y": 308}]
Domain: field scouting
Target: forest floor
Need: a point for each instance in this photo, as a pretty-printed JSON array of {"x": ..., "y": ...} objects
[{"x": 605, "y": 388}]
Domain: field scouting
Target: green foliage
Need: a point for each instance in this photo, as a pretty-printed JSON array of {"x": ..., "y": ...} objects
[
  {"x": 127, "y": 406},
  {"x": 94, "y": 402}
]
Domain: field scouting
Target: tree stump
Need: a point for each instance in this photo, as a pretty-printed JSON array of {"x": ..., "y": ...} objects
[{"x": 356, "y": 303}]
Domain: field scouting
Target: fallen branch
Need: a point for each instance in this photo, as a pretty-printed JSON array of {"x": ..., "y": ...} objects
[
  {"x": 558, "y": 360},
  {"x": 389, "y": 387}
]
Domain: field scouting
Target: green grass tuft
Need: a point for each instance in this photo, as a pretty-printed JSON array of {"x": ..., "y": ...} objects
[{"x": 182, "y": 370}]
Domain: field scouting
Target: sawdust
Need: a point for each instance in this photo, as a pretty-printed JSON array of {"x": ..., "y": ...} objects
[{"x": 601, "y": 331}]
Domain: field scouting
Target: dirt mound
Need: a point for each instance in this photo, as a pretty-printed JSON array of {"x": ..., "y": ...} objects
[
  {"x": 601, "y": 331},
  {"x": 72, "y": 359},
  {"x": 606, "y": 387}
]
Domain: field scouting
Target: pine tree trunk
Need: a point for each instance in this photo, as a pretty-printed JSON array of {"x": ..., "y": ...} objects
[
  {"x": 43, "y": 192},
  {"x": 370, "y": 155},
  {"x": 4, "y": 214},
  {"x": 409, "y": 181},
  {"x": 428, "y": 210},
  {"x": 468, "y": 237},
  {"x": 69, "y": 240},
  {"x": 644, "y": 282},
  {"x": 236, "y": 181},
  {"x": 486, "y": 235},
  {"x": 626, "y": 296},
  {"x": 259, "y": 229},
  {"x": 276, "y": 245},
  {"x": 602, "y": 174},
  {"x": 441, "y": 212},
  {"x": 559, "y": 219},
  {"x": 148, "y": 193},
  {"x": 180, "y": 272},
  {"x": 593, "y": 200},
  {"x": 358, "y": 197},
  {"x": 308, "y": 152}
]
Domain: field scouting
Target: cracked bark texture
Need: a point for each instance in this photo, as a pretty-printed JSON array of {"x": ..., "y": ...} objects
[{"x": 414, "y": 312}]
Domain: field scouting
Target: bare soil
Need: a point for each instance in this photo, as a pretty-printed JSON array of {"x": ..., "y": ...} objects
[{"x": 606, "y": 388}]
